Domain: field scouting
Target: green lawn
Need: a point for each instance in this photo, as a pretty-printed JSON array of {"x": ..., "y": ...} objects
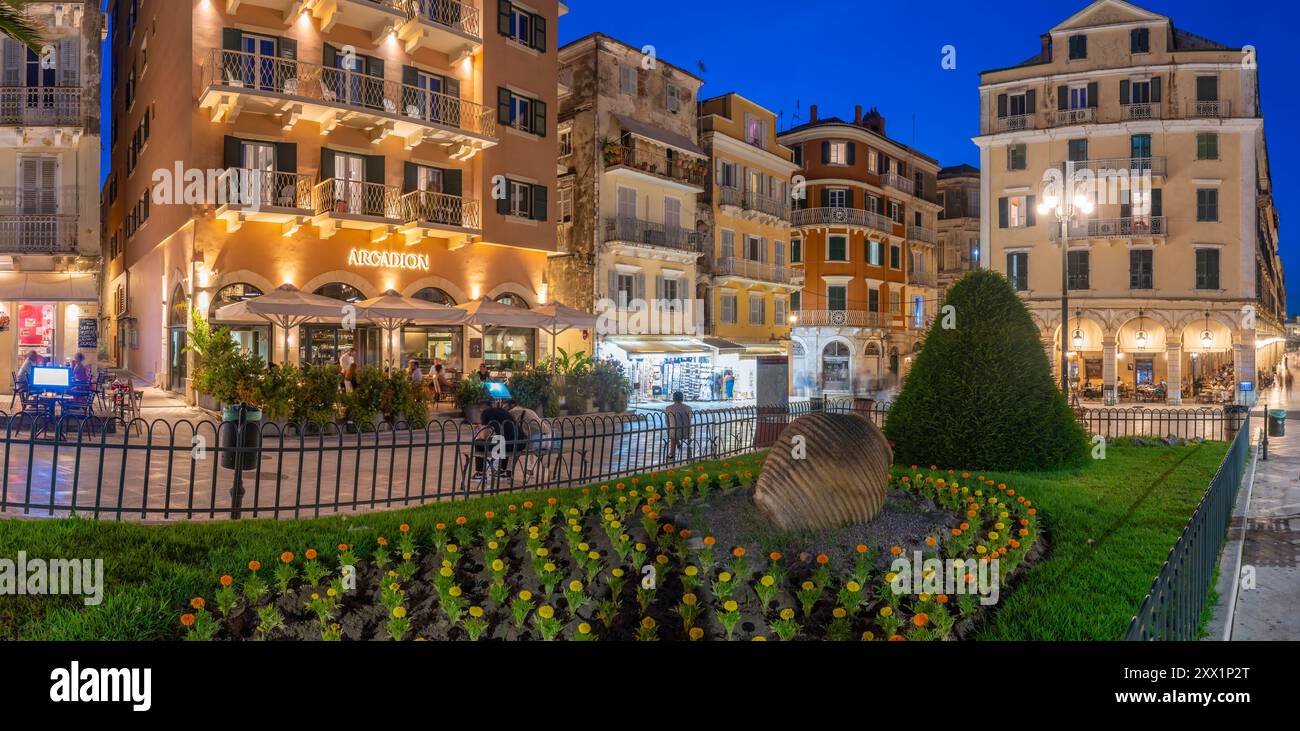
[{"x": 1109, "y": 527}]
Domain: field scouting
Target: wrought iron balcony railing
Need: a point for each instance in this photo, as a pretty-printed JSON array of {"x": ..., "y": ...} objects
[
  {"x": 424, "y": 206},
  {"x": 678, "y": 168},
  {"x": 898, "y": 182},
  {"x": 268, "y": 188},
  {"x": 1115, "y": 228},
  {"x": 920, "y": 233},
  {"x": 38, "y": 234},
  {"x": 841, "y": 318},
  {"x": 760, "y": 271},
  {"x": 1131, "y": 165},
  {"x": 41, "y": 106},
  {"x": 649, "y": 233},
  {"x": 842, "y": 217},
  {"x": 357, "y": 198}
]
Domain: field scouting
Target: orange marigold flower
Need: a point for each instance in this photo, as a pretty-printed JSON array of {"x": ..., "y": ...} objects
[
  {"x": 941, "y": 598},
  {"x": 896, "y": 550},
  {"x": 343, "y": 546},
  {"x": 823, "y": 559},
  {"x": 921, "y": 619},
  {"x": 930, "y": 541},
  {"x": 897, "y": 638},
  {"x": 528, "y": 505},
  {"x": 227, "y": 580},
  {"x": 404, "y": 528},
  {"x": 861, "y": 548},
  {"x": 254, "y": 565},
  {"x": 738, "y": 552},
  {"x": 550, "y": 501},
  {"x": 685, "y": 533},
  {"x": 310, "y": 554},
  {"x": 461, "y": 520},
  {"x": 956, "y": 531},
  {"x": 775, "y": 556},
  {"x": 709, "y": 540},
  {"x": 286, "y": 557},
  {"x": 383, "y": 541},
  {"x": 197, "y": 602},
  {"x": 1033, "y": 511},
  {"x": 187, "y": 619},
  {"x": 490, "y": 515}
]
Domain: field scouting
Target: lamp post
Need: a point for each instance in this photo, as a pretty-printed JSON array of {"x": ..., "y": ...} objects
[{"x": 1061, "y": 200}]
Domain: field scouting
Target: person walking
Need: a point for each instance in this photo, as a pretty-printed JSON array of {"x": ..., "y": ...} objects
[
  {"x": 729, "y": 382},
  {"x": 1290, "y": 379}
]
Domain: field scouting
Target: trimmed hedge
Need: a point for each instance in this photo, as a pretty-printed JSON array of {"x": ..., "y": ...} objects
[{"x": 981, "y": 395}]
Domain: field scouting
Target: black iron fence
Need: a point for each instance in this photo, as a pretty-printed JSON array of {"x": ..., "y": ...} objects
[
  {"x": 1215, "y": 424},
  {"x": 1172, "y": 609}
]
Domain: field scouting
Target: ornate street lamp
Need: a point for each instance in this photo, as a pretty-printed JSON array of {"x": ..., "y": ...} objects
[
  {"x": 1141, "y": 339},
  {"x": 1078, "y": 333},
  {"x": 1060, "y": 199},
  {"x": 1207, "y": 337}
]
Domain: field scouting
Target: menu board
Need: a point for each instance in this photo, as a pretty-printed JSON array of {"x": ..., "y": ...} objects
[{"x": 87, "y": 333}]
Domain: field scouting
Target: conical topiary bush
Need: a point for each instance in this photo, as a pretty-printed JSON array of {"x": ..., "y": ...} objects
[{"x": 981, "y": 395}]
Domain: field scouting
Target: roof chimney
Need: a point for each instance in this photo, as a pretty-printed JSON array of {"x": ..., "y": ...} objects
[
  {"x": 812, "y": 113},
  {"x": 1047, "y": 46},
  {"x": 857, "y": 114},
  {"x": 874, "y": 122}
]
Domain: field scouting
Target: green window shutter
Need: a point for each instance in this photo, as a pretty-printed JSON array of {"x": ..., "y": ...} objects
[
  {"x": 503, "y": 17},
  {"x": 375, "y": 169},
  {"x": 1155, "y": 89},
  {"x": 234, "y": 152},
  {"x": 826, "y": 152},
  {"x": 451, "y": 182},
  {"x": 503, "y": 203},
  {"x": 232, "y": 39},
  {"x": 852, "y": 156},
  {"x": 1123, "y": 91},
  {"x": 539, "y": 202},
  {"x": 1062, "y": 98},
  {"x": 286, "y": 157},
  {"x": 1031, "y": 217},
  {"x": 504, "y": 102},
  {"x": 1002, "y": 105},
  {"x": 326, "y": 163},
  {"x": 539, "y": 33},
  {"x": 288, "y": 48},
  {"x": 1004, "y": 212},
  {"x": 1092, "y": 94},
  {"x": 1031, "y": 101},
  {"x": 1157, "y": 202},
  {"x": 410, "y": 177},
  {"x": 539, "y": 118}
]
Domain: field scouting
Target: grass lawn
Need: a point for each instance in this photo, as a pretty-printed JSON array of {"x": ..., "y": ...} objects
[{"x": 1109, "y": 527}]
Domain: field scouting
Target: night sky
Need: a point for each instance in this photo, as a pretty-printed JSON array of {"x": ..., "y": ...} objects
[{"x": 788, "y": 54}]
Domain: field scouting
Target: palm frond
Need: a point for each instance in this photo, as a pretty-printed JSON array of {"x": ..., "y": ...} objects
[{"x": 15, "y": 23}]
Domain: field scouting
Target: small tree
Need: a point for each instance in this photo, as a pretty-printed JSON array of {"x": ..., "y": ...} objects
[{"x": 981, "y": 395}]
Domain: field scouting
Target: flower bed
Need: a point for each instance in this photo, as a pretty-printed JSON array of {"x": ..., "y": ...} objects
[{"x": 609, "y": 563}]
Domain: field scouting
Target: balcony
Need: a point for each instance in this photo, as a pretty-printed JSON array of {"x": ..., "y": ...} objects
[
  {"x": 23, "y": 106},
  {"x": 682, "y": 172},
  {"x": 290, "y": 90},
  {"x": 1146, "y": 110},
  {"x": 354, "y": 204},
  {"x": 756, "y": 271},
  {"x": 842, "y": 318},
  {"x": 1014, "y": 123},
  {"x": 1137, "y": 227},
  {"x": 921, "y": 278},
  {"x": 897, "y": 182},
  {"x": 807, "y": 217},
  {"x": 753, "y": 202},
  {"x": 265, "y": 196},
  {"x": 1157, "y": 166},
  {"x": 447, "y": 26},
  {"x": 1083, "y": 115},
  {"x": 50, "y": 234},
  {"x": 638, "y": 232},
  {"x": 921, "y": 234},
  {"x": 1208, "y": 109},
  {"x": 435, "y": 212}
]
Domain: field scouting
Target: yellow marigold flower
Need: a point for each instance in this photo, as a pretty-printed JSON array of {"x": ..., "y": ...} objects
[
  {"x": 724, "y": 577},
  {"x": 640, "y": 547},
  {"x": 730, "y": 605},
  {"x": 691, "y": 570},
  {"x": 575, "y": 586},
  {"x": 853, "y": 586},
  {"x": 787, "y": 614},
  {"x": 648, "y": 623},
  {"x": 455, "y": 591},
  {"x": 546, "y": 611},
  {"x": 584, "y": 629},
  {"x": 476, "y": 612},
  {"x": 767, "y": 581},
  {"x": 548, "y": 567},
  {"x": 617, "y": 573},
  {"x": 498, "y": 565},
  {"x": 696, "y": 633},
  {"x": 593, "y": 555},
  {"x": 406, "y": 556},
  {"x": 445, "y": 572},
  {"x": 689, "y": 600},
  {"x": 891, "y": 576},
  {"x": 758, "y": 638},
  {"x": 331, "y": 592},
  {"x": 887, "y": 612},
  {"x": 839, "y": 613},
  {"x": 493, "y": 545},
  {"x": 541, "y": 552},
  {"x": 868, "y": 636},
  {"x": 525, "y": 595},
  {"x": 399, "y": 612},
  {"x": 661, "y": 559},
  {"x": 981, "y": 550},
  {"x": 807, "y": 586},
  {"x": 993, "y": 535}
]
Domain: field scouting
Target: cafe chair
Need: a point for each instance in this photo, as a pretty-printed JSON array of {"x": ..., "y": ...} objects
[{"x": 17, "y": 389}]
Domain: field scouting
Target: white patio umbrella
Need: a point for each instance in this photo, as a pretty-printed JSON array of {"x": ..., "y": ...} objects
[
  {"x": 287, "y": 307},
  {"x": 562, "y": 318},
  {"x": 484, "y": 313},
  {"x": 391, "y": 312}
]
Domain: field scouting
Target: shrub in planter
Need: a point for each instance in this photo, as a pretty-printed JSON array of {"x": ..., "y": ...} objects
[
  {"x": 401, "y": 401},
  {"x": 532, "y": 388},
  {"x": 318, "y": 389},
  {"x": 277, "y": 392},
  {"x": 363, "y": 403},
  {"x": 609, "y": 386},
  {"x": 981, "y": 395},
  {"x": 222, "y": 369},
  {"x": 471, "y": 396}
]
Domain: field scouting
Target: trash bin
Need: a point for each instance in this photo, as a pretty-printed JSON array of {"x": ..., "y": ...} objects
[
  {"x": 1234, "y": 417},
  {"x": 240, "y": 451},
  {"x": 1276, "y": 423}
]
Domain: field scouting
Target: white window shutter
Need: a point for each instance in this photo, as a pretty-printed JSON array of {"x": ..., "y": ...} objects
[
  {"x": 13, "y": 62},
  {"x": 69, "y": 61}
]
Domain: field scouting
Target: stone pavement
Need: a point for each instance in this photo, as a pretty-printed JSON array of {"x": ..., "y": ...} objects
[{"x": 1265, "y": 533}]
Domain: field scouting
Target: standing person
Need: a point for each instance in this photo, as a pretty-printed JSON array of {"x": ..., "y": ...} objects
[
  {"x": 730, "y": 382},
  {"x": 718, "y": 380},
  {"x": 346, "y": 359},
  {"x": 678, "y": 418},
  {"x": 350, "y": 377},
  {"x": 1289, "y": 380}
]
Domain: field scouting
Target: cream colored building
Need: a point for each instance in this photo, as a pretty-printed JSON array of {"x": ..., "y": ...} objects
[
  {"x": 49, "y": 187},
  {"x": 746, "y": 219},
  {"x": 959, "y": 224},
  {"x": 1183, "y": 278},
  {"x": 632, "y": 172}
]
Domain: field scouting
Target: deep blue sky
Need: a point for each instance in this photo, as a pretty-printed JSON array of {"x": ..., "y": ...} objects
[{"x": 788, "y": 54}]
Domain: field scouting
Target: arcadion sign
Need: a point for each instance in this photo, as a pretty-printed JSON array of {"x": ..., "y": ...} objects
[{"x": 388, "y": 259}]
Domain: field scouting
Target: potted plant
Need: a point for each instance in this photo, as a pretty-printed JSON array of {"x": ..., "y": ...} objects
[
  {"x": 610, "y": 386},
  {"x": 223, "y": 374},
  {"x": 472, "y": 399}
]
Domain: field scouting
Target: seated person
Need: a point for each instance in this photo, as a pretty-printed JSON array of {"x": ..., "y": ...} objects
[
  {"x": 483, "y": 373},
  {"x": 539, "y": 433},
  {"x": 80, "y": 373},
  {"x": 414, "y": 373},
  {"x": 497, "y": 422},
  {"x": 25, "y": 372},
  {"x": 678, "y": 417},
  {"x": 443, "y": 380}
]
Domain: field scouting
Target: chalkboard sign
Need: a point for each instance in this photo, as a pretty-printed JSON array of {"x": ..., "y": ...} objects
[{"x": 87, "y": 333}]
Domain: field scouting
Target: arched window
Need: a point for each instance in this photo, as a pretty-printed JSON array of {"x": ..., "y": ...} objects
[
  {"x": 340, "y": 291},
  {"x": 797, "y": 350},
  {"x": 836, "y": 350},
  {"x": 435, "y": 295},
  {"x": 873, "y": 350},
  {"x": 835, "y": 367},
  {"x": 512, "y": 300},
  {"x": 179, "y": 314},
  {"x": 231, "y": 294}
]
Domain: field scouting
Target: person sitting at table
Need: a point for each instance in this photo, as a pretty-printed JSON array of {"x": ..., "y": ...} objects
[
  {"x": 414, "y": 373},
  {"x": 495, "y": 422},
  {"x": 483, "y": 373},
  {"x": 80, "y": 373},
  {"x": 25, "y": 372}
]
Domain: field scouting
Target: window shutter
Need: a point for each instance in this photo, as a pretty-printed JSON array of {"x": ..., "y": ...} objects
[
  {"x": 826, "y": 197},
  {"x": 326, "y": 163},
  {"x": 1031, "y": 216},
  {"x": 1002, "y": 105},
  {"x": 539, "y": 202},
  {"x": 1155, "y": 89},
  {"x": 504, "y": 99},
  {"x": 331, "y": 55},
  {"x": 1092, "y": 94},
  {"x": 852, "y": 154},
  {"x": 638, "y": 286},
  {"x": 503, "y": 203},
  {"x": 503, "y": 17},
  {"x": 848, "y": 198},
  {"x": 286, "y": 157},
  {"x": 1003, "y": 212},
  {"x": 1123, "y": 91},
  {"x": 451, "y": 182},
  {"x": 70, "y": 61},
  {"x": 539, "y": 33},
  {"x": 410, "y": 177},
  {"x": 232, "y": 39},
  {"x": 826, "y": 152},
  {"x": 1207, "y": 88},
  {"x": 288, "y": 48},
  {"x": 1157, "y": 202},
  {"x": 410, "y": 76},
  {"x": 375, "y": 169},
  {"x": 234, "y": 152},
  {"x": 539, "y": 118},
  {"x": 1062, "y": 97},
  {"x": 374, "y": 67},
  {"x": 1031, "y": 101},
  {"x": 659, "y": 287}
]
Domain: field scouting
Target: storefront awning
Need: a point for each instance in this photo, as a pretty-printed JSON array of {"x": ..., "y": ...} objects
[
  {"x": 662, "y": 136},
  {"x": 660, "y": 347},
  {"x": 48, "y": 287},
  {"x": 723, "y": 346}
]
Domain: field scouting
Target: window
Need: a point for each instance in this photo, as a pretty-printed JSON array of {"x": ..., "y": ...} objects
[
  {"x": 673, "y": 98},
  {"x": 756, "y": 131},
  {"x": 566, "y": 143},
  {"x": 1015, "y": 212},
  {"x": 796, "y": 251},
  {"x": 1018, "y": 270},
  {"x": 521, "y": 26},
  {"x": 1017, "y": 157},
  {"x": 627, "y": 80},
  {"x": 523, "y": 113},
  {"x": 566, "y": 204},
  {"x": 837, "y": 198},
  {"x": 837, "y": 248},
  {"x": 1207, "y": 268},
  {"x": 757, "y": 310},
  {"x": 798, "y": 154},
  {"x": 873, "y": 300},
  {"x": 895, "y": 257},
  {"x": 1207, "y": 205},
  {"x": 1078, "y": 47},
  {"x": 1207, "y": 146},
  {"x": 838, "y": 153},
  {"x": 896, "y": 211},
  {"x": 780, "y": 312},
  {"x": 796, "y": 301},
  {"x": 1018, "y": 105},
  {"x": 755, "y": 249},
  {"x": 1078, "y": 97},
  {"x": 1140, "y": 92},
  {"x": 1139, "y": 147},
  {"x": 1140, "y": 269},
  {"x": 875, "y": 254},
  {"x": 1077, "y": 271},
  {"x": 837, "y": 297},
  {"x": 670, "y": 294},
  {"x": 728, "y": 307},
  {"x": 1078, "y": 150},
  {"x": 624, "y": 290},
  {"x": 523, "y": 200},
  {"x": 1139, "y": 40},
  {"x": 895, "y": 302},
  {"x": 728, "y": 244}
]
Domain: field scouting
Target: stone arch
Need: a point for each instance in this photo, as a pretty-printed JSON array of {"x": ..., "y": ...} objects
[
  {"x": 514, "y": 288},
  {"x": 433, "y": 280},
  {"x": 243, "y": 276},
  {"x": 342, "y": 277}
]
